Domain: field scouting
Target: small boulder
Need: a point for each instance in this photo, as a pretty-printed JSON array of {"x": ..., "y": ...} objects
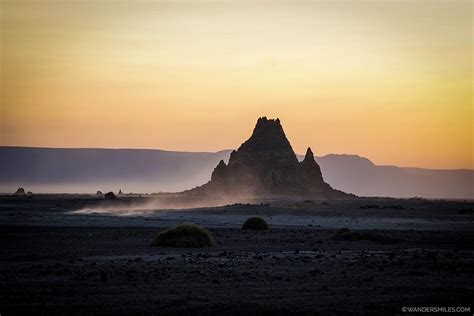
[
  {"x": 110, "y": 196},
  {"x": 20, "y": 191}
]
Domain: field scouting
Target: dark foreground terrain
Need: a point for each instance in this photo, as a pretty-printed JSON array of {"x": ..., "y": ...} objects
[{"x": 57, "y": 262}]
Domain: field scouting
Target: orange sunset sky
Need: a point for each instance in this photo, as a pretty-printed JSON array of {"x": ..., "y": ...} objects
[{"x": 387, "y": 80}]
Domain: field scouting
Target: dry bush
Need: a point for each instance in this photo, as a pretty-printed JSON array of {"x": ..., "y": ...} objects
[
  {"x": 256, "y": 223},
  {"x": 184, "y": 236}
]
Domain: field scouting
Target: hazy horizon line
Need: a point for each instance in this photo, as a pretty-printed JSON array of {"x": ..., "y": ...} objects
[{"x": 229, "y": 149}]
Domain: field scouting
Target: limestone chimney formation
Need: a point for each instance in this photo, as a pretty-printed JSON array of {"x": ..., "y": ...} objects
[{"x": 266, "y": 165}]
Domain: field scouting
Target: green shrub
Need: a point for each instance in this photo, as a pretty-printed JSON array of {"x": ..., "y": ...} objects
[
  {"x": 255, "y": 223},
  {"x": 184, "y": 236}
]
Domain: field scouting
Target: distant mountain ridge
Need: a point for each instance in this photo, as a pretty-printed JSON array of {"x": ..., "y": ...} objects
[
  {"x": 350, "y": 172},
  {"x": 149, "y": 170}
]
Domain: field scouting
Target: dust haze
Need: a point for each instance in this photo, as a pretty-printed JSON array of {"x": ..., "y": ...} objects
[{"x": 148, "y": 206}]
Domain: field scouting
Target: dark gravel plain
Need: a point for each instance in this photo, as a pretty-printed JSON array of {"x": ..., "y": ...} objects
[{"x": 104, "y": 264}]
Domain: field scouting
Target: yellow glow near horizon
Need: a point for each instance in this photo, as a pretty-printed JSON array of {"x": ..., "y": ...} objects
[{"x": 388, "y": 80}]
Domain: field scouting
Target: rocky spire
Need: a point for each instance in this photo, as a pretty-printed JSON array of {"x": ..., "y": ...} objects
[
  {"x": 309, "y": 159},
  {"x": 219, "y": 172},
  {"x": 266, "y": 165},
  {"x": 310, "y": 168},
  {"x": 268, "y": 135},
  {"x": 309, "y": 155}
]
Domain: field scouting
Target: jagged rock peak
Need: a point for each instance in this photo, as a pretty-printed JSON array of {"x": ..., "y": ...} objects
[
  {"x": 264, "y": 124},
  {"x": 219, "y": 171},
  {"x": 264, "y": 119},
  {"x": 266, "y": 165},
  {"x": 268, "y": 135},
  {"x": 309, "y": 154},
  {"x": 309, "y": 162},
  {"x": 310, "y": 167},
  {"x": 221, "y": 164}
]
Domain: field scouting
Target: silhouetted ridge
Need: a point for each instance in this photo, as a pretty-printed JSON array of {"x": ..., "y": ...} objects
[{"x": 266, "y": 165}]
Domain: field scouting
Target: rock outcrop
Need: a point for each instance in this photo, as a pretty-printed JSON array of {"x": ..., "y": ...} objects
[
  {"x": 20, "y": 191},
  {"x": 110, "y": 196},
  {"x": 266, "y": 165}
]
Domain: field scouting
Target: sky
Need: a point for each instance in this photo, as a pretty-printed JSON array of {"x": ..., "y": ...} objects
[{"x": 387, "y": 80}]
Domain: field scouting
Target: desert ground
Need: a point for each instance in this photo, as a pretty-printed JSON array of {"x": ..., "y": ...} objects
[{"x": 80, "y": 254}]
